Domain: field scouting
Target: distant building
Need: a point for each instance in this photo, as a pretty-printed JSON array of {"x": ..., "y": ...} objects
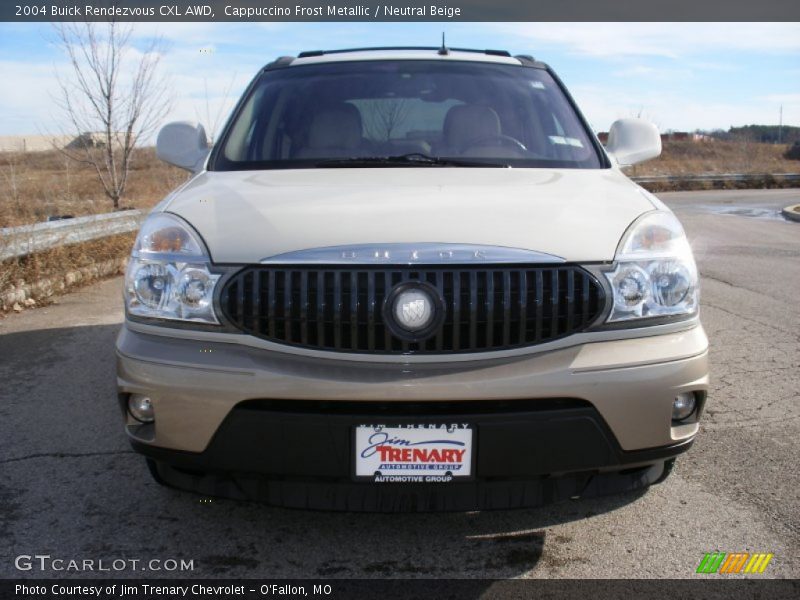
[
  {"x": 676, "y": 136},
  {"x": 672, "y": 136},
  {"x": 42, "y": 143},
  {"x": 92, "y": 139},
  {"x": 685, "y": 136},
  {"x": 33, "y": 143}
]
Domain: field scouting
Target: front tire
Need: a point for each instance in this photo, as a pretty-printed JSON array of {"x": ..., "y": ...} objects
[
  {"x": 668, "y": 466},
  {"x": 152, "y": 466}
]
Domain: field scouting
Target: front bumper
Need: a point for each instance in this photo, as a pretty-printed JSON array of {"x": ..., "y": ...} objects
[{"x": 584, "y": 419}]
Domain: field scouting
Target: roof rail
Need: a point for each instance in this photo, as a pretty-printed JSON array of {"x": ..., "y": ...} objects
[
  {"x": 310, "y": 53},
  {"x": 280, "y": 62},
  {"x": 528, "y": 61}
]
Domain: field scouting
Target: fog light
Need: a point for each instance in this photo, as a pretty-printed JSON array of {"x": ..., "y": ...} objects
[
  {"x": 141, "y": 408},
  {"x": 683, "y": 406}
]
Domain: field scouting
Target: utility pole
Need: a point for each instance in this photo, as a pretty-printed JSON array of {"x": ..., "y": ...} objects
[{"x": 780, "y": 125}]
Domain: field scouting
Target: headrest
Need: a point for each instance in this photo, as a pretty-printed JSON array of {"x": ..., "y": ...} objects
[
  {"x": 335, "y": 126},
  {"x": 468, "y": 122}
]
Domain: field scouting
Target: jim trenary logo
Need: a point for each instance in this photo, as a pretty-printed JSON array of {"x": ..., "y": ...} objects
[{"x": 734, "y": 562}]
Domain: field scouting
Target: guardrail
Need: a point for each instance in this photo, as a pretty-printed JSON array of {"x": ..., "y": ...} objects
[
  {"x": 714, "y": 178},
  {"x": 27, "y": 239},
  {"x": 20, "y": 241}
]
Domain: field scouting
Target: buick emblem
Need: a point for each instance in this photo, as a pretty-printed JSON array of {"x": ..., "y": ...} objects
[{"x": 414, "y": 310}]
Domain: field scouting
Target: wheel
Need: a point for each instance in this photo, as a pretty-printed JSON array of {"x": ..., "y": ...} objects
[
  {"x": 668, "y": 466},
  {"x": 152, "y": 466}
]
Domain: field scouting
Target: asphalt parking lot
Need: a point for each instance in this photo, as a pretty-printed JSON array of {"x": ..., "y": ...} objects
[{"x": 71, "y": 488}]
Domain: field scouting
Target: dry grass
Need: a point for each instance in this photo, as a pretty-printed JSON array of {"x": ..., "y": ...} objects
[
  {"x": 698, "y": 158},
  {"x": 709, "y": 158},
  {"x": 36, "y": 185}
]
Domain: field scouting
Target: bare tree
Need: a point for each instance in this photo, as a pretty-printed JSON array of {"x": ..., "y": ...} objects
[
  {"x": 113, "y": 98},
  {"x": 212, "y": 121},
  {"x": 385, "y": 117}
]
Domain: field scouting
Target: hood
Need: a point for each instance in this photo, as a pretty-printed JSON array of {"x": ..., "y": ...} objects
[{"x": 247, "y": 216}]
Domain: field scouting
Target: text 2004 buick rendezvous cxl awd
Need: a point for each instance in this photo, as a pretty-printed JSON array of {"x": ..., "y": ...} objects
[{"x": 410, "y": 279}]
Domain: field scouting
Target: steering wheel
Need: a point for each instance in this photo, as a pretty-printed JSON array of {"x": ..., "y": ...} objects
[{"x": 504, "y": 140}]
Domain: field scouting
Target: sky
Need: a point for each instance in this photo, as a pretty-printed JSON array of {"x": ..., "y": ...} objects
[{"x": 681, "y": 76}]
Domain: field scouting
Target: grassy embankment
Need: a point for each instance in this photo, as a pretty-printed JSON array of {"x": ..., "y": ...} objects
[
  {"x": 693, "y": 158},
  {"x": 37, "y": 185}
]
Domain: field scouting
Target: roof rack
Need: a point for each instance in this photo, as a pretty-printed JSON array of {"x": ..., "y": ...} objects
[
  {"x": 280, "y": 62},
  {"x": 528, "y": 61},
  {"x": 310, "y": 53}
]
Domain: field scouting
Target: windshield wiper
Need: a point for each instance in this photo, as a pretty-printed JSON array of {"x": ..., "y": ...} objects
[{"x": 413, "y": 159}]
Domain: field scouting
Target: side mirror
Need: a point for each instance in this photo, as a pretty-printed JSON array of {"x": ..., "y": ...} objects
[
  {"x": 183, "y": 144},
  {"x": 631, "y": 141}
]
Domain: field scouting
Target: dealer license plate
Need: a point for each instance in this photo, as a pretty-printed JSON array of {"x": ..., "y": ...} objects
[{"x": 422, "y": 453}]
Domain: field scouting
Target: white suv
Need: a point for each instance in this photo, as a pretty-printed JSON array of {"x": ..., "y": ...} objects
[{"x": 410, "y": 279}]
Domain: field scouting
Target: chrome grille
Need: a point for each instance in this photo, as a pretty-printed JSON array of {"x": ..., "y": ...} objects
[{"x": 327, "y": 307}]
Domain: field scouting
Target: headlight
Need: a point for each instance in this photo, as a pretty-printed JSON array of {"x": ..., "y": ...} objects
[
  {"x": 655, "y": 274},
  {"x": 168, "y": 275}
]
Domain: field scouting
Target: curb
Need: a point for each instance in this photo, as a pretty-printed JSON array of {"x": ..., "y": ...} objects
[{"x": 792, "y": 212}]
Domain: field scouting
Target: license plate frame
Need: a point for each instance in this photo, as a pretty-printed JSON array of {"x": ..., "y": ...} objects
[{"x": 432, "y": 434}]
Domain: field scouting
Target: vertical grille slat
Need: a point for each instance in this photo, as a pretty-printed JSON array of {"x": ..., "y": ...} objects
[
  {"x": 304, "y": 302},
  {"x": 287, "y": 305},
  {"x": 271, "y": 332},
  {"x": 506, "y": 308},
  {"x": 523, "y": 307},
  {"x": 456, "y": 310},
  {"x": 354, "y": 310},
  {"x": 473, "y": 309},
  {"x": 371, "y": 308},
  {"x": 240, "y": 298},
  {"x": 404, "y": 345},
  {"x": 539, "y": 300},
  {"x": 337, "y": 310},
  {"x": 387, "y": 335},
  {"x": 321, "y": 341},
  {"x": 440, "y": 287},
  {"x": 342, "y": 308},
  {"x": 585, "y": 291},
  {"x": 489, "y": 309},
  {"x": 256, "y": 312},
  {"x": 554, "y": 303},
  {"x": 570, "y": 299}
]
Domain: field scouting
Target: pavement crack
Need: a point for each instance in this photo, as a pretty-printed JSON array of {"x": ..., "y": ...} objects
[
  {"x": 736, "y": 286},
  {"x": 64, "y": 455},
  {"x": 725, "y": 281},
  {"x": 743, "y": 317}
]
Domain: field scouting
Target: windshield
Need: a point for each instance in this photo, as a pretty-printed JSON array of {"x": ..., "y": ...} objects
[{"x": 403, "y": 112}]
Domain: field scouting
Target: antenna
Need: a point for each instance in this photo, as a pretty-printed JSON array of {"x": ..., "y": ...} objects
[{"x": 443, "y": 51}]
